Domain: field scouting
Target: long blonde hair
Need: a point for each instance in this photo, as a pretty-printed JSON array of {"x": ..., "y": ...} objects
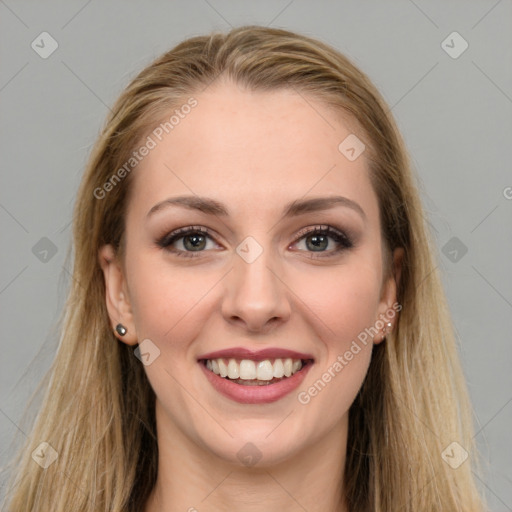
[{"x": 98, "y": 408}]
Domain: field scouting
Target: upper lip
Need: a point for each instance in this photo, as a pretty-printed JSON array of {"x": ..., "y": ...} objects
[{"x": 255, "y": 355}]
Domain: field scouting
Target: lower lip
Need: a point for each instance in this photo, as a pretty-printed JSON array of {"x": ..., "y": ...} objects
[{"x": 256, "y": 394}]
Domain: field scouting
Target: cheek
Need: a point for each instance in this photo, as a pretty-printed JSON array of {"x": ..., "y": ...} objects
[
  {"x": 160, "y": 297},
  {"x": 345, "y": 301},
  {"x": 343, "y": 308}
]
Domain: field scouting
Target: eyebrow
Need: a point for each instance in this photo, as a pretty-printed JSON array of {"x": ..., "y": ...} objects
[{"x": 292, "y": 209}]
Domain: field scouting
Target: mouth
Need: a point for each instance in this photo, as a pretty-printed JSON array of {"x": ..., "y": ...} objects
[
  {"x": 256, "y": 380},
  {"x": 250, "y": 372}
]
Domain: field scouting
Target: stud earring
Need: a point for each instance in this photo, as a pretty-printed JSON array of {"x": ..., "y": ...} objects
[
  {"x": 121, "y": 329},
  {"x": 385, "y": 329}
]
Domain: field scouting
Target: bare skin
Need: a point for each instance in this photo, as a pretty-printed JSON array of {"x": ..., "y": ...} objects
[{"x": 253, "y": 152}]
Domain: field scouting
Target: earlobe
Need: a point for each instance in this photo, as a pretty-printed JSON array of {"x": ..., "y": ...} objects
[
  {"x": 388, "y": 314},
  {"x": 116, "y": 300}
]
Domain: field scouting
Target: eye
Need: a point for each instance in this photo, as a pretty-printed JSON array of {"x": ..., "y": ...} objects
[
  {"x": 319, "y": 239},
  {"x": 186, "y": 241},
  {"x": 192, "y": 240}
]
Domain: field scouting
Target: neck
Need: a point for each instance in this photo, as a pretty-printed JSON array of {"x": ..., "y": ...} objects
[{"x": 192, "y": 478}]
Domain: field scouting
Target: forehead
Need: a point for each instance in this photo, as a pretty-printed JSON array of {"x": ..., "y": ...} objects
[{"x": 248, "y": 148}]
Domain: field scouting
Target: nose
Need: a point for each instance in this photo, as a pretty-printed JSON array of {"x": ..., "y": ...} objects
[{"x": 256, "y": 298}]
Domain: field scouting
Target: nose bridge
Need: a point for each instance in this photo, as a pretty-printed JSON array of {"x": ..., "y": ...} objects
[{"x": 255, "y": 295}]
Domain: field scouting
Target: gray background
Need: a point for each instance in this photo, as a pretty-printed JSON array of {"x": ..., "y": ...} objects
[{"x": 455, "y": 114}]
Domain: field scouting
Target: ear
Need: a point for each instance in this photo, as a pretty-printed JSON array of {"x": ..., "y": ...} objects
[
  {"x": 388, "y": 295},
  {"x": 116, "y": 296}
]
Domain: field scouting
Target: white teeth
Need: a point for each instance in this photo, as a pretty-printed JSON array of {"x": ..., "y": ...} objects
[
  {"x": 278, "y": 368},
  {"x": 288, "y": 367},
  {"x": 265, "y": 370},
  {"x": 223, "y": 369},
  {"x": 233, "y": 369},
  {"x": 247, "y": 369}
]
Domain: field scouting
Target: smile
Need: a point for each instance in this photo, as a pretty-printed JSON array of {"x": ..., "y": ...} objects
[
  {"x": 254, "y": 382},
  {"x": 255, "y": 373}
]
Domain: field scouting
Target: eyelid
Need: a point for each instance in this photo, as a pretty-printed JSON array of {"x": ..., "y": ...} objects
[
  {"x": 343, "y": 240},
  {"x": 323, "y": 228},
  {"x": 169, "y": 238}
]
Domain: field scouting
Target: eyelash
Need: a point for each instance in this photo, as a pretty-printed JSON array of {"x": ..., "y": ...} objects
[{"x": 338, "y": 236}]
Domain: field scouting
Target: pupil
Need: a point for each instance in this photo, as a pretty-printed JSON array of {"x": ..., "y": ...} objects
[
  {"x": 195, "y": 241},
  {"x": 319, "y": 241}
]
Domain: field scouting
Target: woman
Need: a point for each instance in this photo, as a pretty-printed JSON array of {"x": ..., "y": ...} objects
[{"x": 256, "y": 321}]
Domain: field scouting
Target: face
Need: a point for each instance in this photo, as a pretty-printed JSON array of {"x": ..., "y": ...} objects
[{"x": 248, "y": 271}]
